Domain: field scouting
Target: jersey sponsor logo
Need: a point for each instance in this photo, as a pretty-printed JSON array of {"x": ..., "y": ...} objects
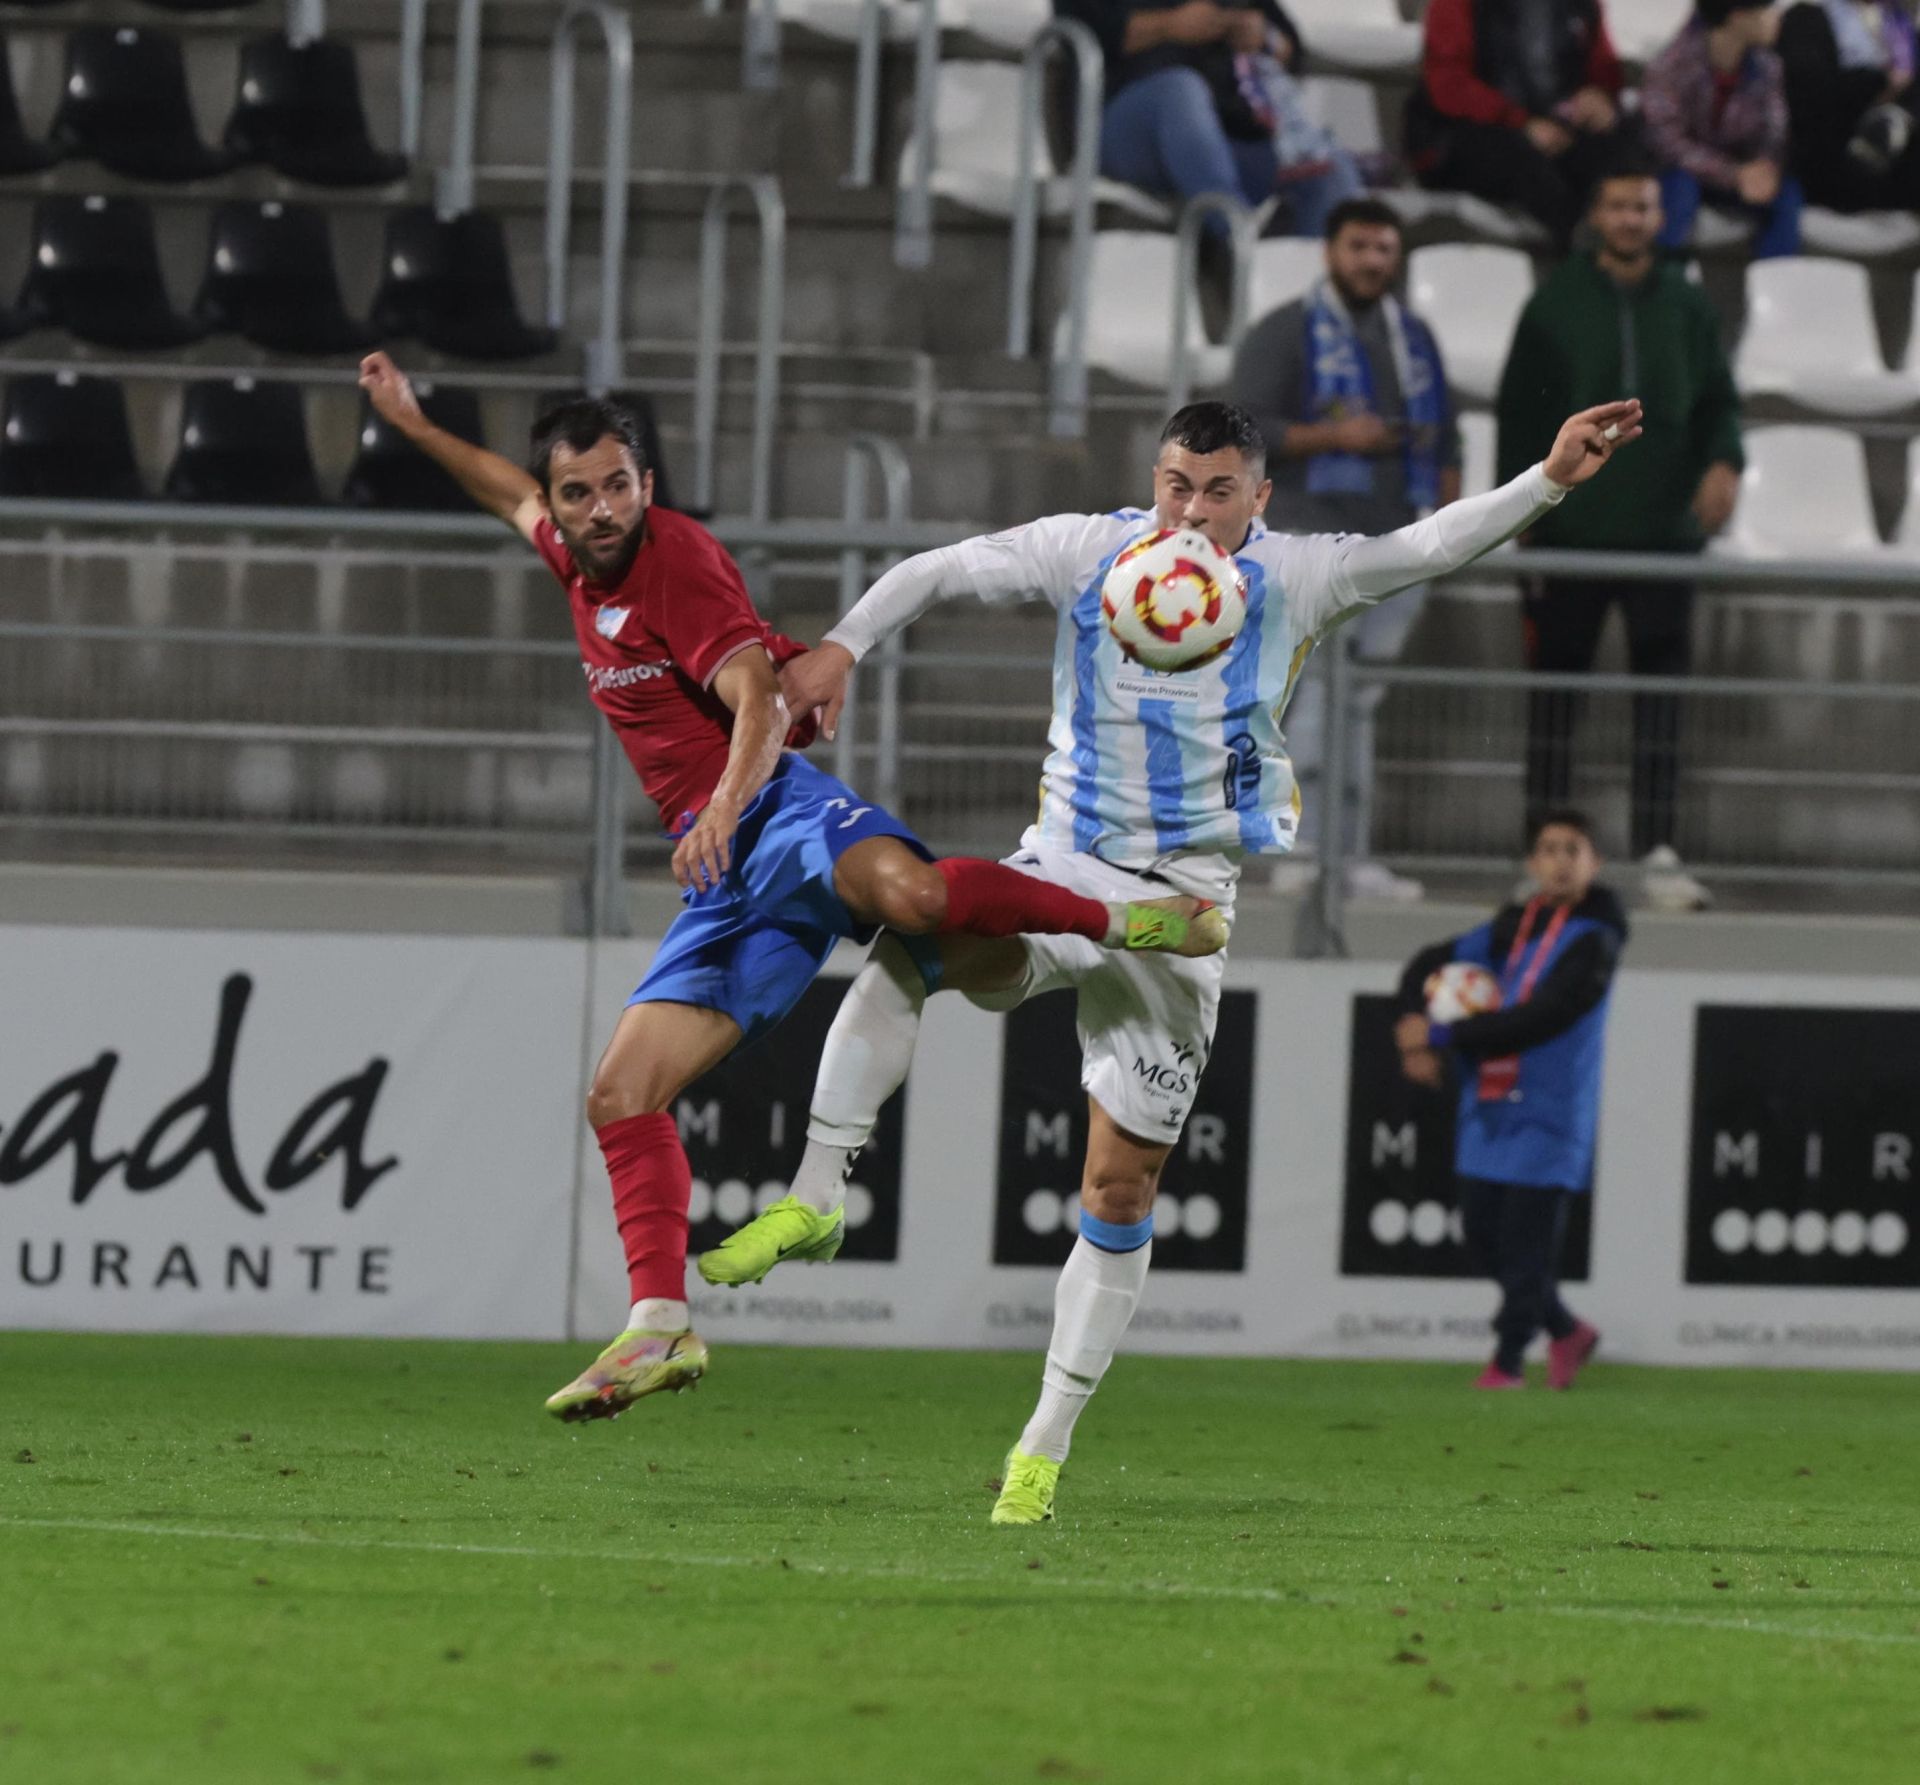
[
  {"x": 1147, "y": 684},
  {"x": 607, "y": 621},
  {"x": 600, "y": 677},
  {"x": 1240, "y": 782}
]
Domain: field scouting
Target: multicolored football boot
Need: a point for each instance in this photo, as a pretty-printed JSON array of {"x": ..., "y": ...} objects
[{"x": 637, "y": 1363}]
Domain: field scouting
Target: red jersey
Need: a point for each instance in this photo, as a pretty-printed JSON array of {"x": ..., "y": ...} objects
[{"x": 651, "y": 647}]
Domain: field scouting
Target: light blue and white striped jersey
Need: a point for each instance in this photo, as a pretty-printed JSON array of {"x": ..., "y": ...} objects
[{"x": 1150, "y": 770}]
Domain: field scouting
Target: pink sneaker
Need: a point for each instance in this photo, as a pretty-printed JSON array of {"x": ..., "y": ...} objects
[
  {"x": 1565, "y": 1356},
  {"x": 1495, "y": 1377}
]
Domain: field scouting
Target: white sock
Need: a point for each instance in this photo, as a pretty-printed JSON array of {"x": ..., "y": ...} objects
[
  {"x": 1092, "y": 1304},
  {"x": 655, "y": 1314},
  {"x": 868, "y": 1051}
]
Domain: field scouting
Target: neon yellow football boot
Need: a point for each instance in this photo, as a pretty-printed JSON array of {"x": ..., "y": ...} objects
[
  {"x": 1179, "y": 925},
  {"x": 1026, "y": 1496},
  {"x": 636, "y": 1364},
  {"x": 788, "y": 1229}
]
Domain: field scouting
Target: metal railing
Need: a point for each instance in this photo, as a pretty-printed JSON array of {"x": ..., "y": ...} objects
[
  {"x": 868, "y": 45},
  {"x": 913, "y": 212},
  {"x": 1067, "y": 417},
  {"x": 307, "y": 23},
  {"x": 1186, "y": 277},
  {"x": 603, "y": 356},
  {"x": 453, "y": 189}
]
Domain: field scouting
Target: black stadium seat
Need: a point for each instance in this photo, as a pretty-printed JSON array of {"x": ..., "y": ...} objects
[
  {"x": 271, "y": 277},
  {"x": 198, "y": 5},
  {"x": 243, "y": 440},
  {"x": 447, "y": 281},
  {"x": 299, "y": 111},
  {"x": 125, "y": 105},
  {"x": 642, "y": 406},
  {"x": 95, "y": 272},
  {"x": 64, "y": 435},
  {"x": 19, "y": 153},
  {"x": 391, "y": 472}
]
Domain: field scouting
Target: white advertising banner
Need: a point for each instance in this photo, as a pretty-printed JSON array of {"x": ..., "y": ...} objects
[
  {"x": 286, "y": 1133},
  {"x": 383, "y": 1134}
]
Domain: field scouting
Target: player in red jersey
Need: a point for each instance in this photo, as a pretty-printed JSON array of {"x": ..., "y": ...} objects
[{"x": 776, "y": 859}]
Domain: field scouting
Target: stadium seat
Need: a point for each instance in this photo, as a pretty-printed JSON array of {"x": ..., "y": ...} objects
[
  {"x": 299, "y": 111},
  {"x": 1859, "y": 235},
  {"x": 1906, "y": 533},
  {"x": 1811, "y": 337},
  {"x": 125, "y": 105},
  {"x": 447, "y": 281},
  {"x": 976, "y": 140},
  {"x": 1641, "y": 29},
  {"x": 19, "y": 153},
  {"x": 65, "y": 435},
  {"x": 1347, "y": 107},
  {"x": 1283, "y": 269},
  {"x": 1130, "y": 313},
  {"x": 1358, "y": 34},
  {"x": 1009, "y": 24},
  {"x": 203, "y": 5},
  {"x": 644, "y": 412},
  {"x": 1477, "y": 454},
  {"x": 389, "y": 471},
  {"x": 1471, "y": 297},
  {"x": 1803, "y": 495},
  {"x": 95, "y": 272},
  {"x": 243, "y": 440},
  {"x": 270, "y": 277}
]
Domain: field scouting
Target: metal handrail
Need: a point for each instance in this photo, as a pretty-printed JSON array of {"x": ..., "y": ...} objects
[
  {"x": 307, "y": 23},
  {"x": 453, "y": 190},
  {"x": 913, "y": 209},
  {"x": 1067, "y": 417},
  {"x": 603, "y": 357},
  {"x": 759, "y": 45},
  {"x": 770, "y": 211},
  {"x": 1186, "y": 273},
  {"x": 866, "y": 95},
  {"x": 875, "y": 452}
]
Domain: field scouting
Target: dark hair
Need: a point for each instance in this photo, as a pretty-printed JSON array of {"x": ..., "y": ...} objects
[
  {"x": 1213, "y": 427},
  {"x": 1558, "y": 817},
  {"x": 1717, "y": 12},
  {"x": 581, "y": 423},
  {"x": 1629, "y": 161},
  {"x": 1368, "y": 210}
]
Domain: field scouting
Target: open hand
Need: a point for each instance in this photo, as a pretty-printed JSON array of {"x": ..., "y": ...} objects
[
  {"x": 1588, "y": 440},
  {"x": 706, "y": 852},
  {"x": 817, "y": 681}
]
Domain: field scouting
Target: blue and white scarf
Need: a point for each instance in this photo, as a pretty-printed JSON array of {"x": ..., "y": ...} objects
[{"x": 1341, "y": 383}]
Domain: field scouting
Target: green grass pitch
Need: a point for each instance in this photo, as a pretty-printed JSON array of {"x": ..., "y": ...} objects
[{"x": 267, "y": 1560}]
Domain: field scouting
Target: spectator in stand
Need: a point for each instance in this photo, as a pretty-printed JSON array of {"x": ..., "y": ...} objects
[
  {"x": 1620, "y": 318},
  {"x": 1715, "y": 106},
  {"x": 1201, "y": 97},
  {"x": 1850, "y": 91},
  {"x": 1518, "y": 102},
  {"x": 1350, "y": 392}
]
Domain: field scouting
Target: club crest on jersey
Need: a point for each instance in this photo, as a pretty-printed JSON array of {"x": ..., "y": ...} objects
[{"x": 607, "y": 621}]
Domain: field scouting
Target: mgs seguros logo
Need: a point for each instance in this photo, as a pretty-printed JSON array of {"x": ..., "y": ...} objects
[
  {"x": 1802, "y": 1161},
  {"x": 76, "y": 1137},
  {"x": 1200, "y": 1216}
]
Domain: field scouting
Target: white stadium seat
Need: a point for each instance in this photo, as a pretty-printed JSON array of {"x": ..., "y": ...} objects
[
  {"x": 1470, "y": 296},
  {"x": 1478, "y": 216},
  {"x": 1282, "y": 270},
  {"x": 1130, "y": 313},
  {"x": 1863, "y": 235},
  {"x": 1811, "y": 337},
  {"x": 976, "y": 145},
  {"x": 1803, "y": 495},
  {"x": 1358, "y": 33},
  {"x": 1476, "y": 453},
  {"x": 1349, "y": 108},
  {"x": 1906, "y": 535},
  {"x": 1641, "y": 29},
  {"x": 1008, "y": 23}
]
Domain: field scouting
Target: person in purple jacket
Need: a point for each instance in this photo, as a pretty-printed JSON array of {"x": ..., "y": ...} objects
[
  {"x": 1715, "y": 105},
  {"x": 1529, "y": 1086}
]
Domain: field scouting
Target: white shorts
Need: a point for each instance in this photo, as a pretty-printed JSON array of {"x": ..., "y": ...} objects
[{"x": 1146, "y": 1020}]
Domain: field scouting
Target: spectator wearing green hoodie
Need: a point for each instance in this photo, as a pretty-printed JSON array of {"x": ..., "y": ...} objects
[{"x": 1618, "y": 317}]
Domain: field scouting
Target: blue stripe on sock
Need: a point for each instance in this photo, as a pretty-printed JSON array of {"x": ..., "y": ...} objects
[
  {"x": 924, "y": 953},
  {"x": 1110, "y": 1236}
]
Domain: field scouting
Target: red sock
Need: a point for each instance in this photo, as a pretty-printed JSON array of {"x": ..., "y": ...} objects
[
  {"x": 651, "y": 1185},
  {"x": 987, "y": 899}
]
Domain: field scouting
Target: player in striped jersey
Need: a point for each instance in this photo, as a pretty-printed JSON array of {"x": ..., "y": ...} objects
[{"x": 1153, "y": 783}]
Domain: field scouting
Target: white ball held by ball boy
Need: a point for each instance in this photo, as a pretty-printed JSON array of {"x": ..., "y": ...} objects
[
  {"x": 1174, "y": 600},
  {"x": 1459, "y": 990}
]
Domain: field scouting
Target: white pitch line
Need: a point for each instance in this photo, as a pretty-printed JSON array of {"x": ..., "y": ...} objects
[{"x": 832, "y": 1571}]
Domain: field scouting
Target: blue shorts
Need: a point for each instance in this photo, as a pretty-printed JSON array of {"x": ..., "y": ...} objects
[{"x": 752, "y": 945}]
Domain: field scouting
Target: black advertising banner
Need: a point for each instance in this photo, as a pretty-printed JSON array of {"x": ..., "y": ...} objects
[
  {"x": 1399, "y": 1212},
  {"x": 1200, "y": 1220},
  {"x": 1801, "y": 1164},
  {"x": 744, "y": 1126}
]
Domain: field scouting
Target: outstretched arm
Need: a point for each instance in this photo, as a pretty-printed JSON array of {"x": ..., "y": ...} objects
[
  {"x": 1364, "y": 569},
  {"x": 498, "y": 485}
]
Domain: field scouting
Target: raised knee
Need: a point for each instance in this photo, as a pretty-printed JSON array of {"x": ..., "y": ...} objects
[{"x": 913, "y": 901}]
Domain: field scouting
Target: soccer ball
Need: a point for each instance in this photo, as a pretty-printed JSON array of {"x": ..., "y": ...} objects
[
  {"x": 1459, "y": 990},
  {"x": 1174, "y": 600}
]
